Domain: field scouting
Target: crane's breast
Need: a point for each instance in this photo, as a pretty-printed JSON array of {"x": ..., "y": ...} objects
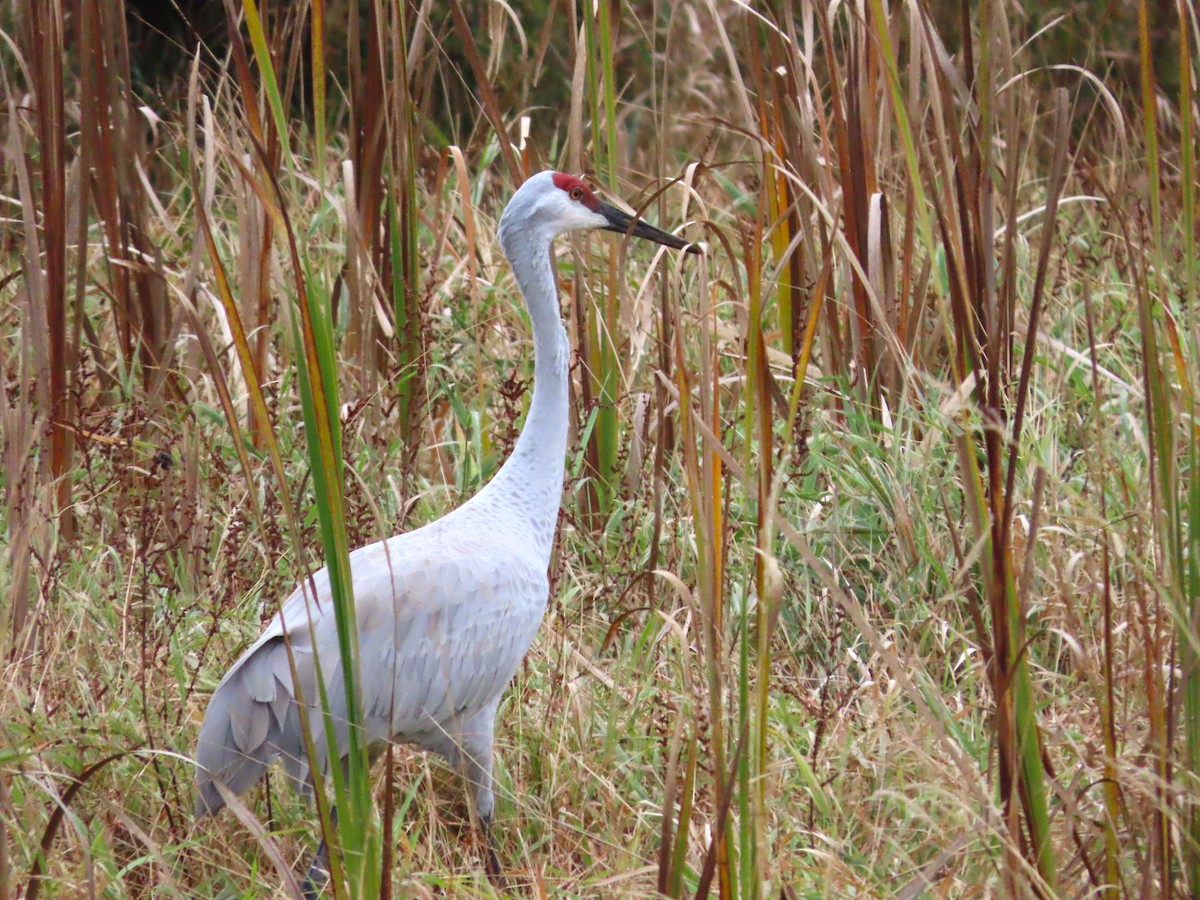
[{"x": 443, "y": 634}]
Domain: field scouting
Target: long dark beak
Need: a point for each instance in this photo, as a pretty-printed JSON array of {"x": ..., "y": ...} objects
[{"x": 623, "y": 223}]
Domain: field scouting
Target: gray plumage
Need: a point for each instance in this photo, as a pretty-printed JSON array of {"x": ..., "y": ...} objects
[{"x": 444, "y": 620}]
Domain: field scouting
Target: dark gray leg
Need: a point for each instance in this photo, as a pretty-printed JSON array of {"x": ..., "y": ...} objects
[
  {"x": 469, "y": 750},
  {"x": 317, "y": 876},
  {"x": 491, "y": 862},
  {"x": 475, "y": 762}
]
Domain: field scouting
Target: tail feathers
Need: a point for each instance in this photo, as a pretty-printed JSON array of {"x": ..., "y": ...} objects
[{"x": 251, "y": 719}]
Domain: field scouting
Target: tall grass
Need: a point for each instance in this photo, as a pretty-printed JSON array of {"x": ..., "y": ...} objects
[
  {"x": 604, "y": 375},
  {"x": 1170, "y": 404},
  {"x": 356, "y": 851},
  {"x": 877, "y": 573}
]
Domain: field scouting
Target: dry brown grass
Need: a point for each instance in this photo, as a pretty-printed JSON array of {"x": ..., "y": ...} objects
[{"x": 877, "y": 572}]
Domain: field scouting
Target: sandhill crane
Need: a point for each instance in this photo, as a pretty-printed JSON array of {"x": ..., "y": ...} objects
[{"x": 445, "y": 613}]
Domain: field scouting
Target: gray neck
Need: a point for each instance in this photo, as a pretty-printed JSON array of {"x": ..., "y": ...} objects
[{"x": 529, "y": 484}]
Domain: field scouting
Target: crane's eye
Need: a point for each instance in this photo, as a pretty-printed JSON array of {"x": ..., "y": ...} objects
[{"x": 576, "y": 193}]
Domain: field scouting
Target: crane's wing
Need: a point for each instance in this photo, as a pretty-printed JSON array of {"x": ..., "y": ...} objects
[{"x": 443, "y": 622}]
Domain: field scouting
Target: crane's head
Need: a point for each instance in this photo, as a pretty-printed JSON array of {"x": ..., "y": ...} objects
[{"x": 550, "y": 203}]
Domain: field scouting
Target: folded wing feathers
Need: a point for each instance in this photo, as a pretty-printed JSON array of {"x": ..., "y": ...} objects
[
  {"x": 251, "y": 719},
  {"x": 439, "y": 638}
]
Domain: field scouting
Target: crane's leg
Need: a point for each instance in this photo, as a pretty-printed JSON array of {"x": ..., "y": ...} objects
[
  {"x": 474, "y": 760},
  {"x": 491, "y": 863},
  {"x": 317, "y": 875}
]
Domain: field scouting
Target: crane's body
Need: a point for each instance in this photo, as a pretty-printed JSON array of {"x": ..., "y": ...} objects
[
  {"x": 445, "y": 613},
  {"x": 466, "y": 611}
]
